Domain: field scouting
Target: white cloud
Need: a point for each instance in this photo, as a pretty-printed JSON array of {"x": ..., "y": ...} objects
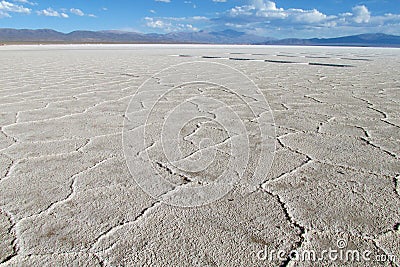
[
  {"x": 4, "y": 15},
  {"x": 198, "y": 18},
  {"x": 157, "y": 24},
  {"x": 164, "y": 1},
  {"x": 77, "y": 12},
  {"x": 361, "y": 14},
  {"x": 219, "y": 1},
  {"x": 264, "y": 5},
  {"x": 186, "y": 19},
  {"x": 259, "y": 10},
  {"x": 26, "y": 2},
  {"x": 169, "y": 24},
  {"x": 49, "y": 12},
  {"x": 7, "y": 7},
  {"x": 313, "y": 16}
]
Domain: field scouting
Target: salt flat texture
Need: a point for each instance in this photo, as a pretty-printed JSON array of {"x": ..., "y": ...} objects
[{"x": 67, "y": 197}]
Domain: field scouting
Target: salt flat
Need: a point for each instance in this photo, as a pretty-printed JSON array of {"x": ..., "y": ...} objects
[{"x": 83, "y": 131}]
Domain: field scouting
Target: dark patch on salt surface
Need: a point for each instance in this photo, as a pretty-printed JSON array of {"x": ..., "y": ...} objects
[
  {"x": 130, "y": 75},
  {"x": 237, "y": 53},
  {"x": 210, "y": 57},
  {"x": 335, "y": 55},
  {"x": 330, "y": 65},
  {"x": 234, "y": 58},
  {"x": 285, "y": 56},
  {"x": 280, "y": 61},
  {"x": 356, "y": 59},
  {"x": 185, "y": 56},
  {"x": 361, "y": 55},
  {"x": 316, "y": 57}
]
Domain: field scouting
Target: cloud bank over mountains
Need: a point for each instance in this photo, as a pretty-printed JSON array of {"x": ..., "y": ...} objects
[{"x": 265, "y": 18}]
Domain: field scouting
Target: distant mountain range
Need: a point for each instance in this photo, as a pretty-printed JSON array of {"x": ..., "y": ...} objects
[
  {"x": 51, "y": 36},
  {"x": 221, "y": 37},
  {"x": 372, "y": 39}
]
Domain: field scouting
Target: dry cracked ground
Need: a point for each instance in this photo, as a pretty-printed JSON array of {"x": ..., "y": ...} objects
[{"x": 67, "y": 197}]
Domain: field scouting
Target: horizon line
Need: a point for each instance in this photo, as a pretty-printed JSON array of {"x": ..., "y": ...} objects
[{"x": 199, "y": 31}]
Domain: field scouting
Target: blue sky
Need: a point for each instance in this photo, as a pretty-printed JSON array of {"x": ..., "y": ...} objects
[{"x": 279, "y": 18}]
